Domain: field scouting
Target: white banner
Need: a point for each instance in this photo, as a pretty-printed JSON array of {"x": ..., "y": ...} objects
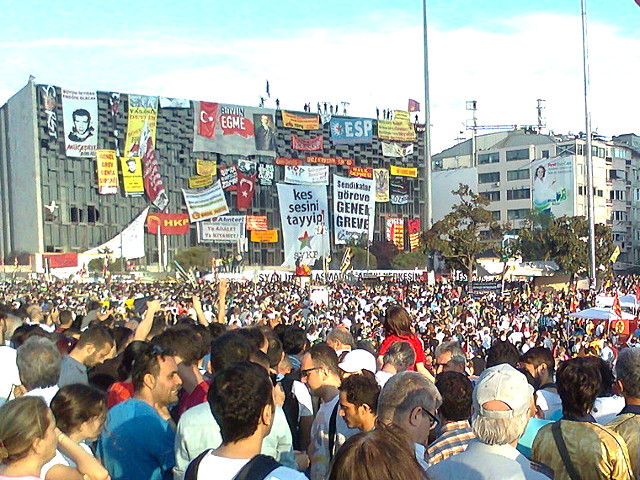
[
  {"x": 127, "y": 244},
  {"x": 303, "y": 215},
  {"x": 354, "y": 205},
  {"x": 306, "y": 174},
  {"x": 80, "y": 118},
  {"x": 224, "y": 229},
  {"x": 205, "y": 204}
]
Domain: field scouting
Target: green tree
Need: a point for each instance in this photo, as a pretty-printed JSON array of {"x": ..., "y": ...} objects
[
  {"x": 358, "y": 262},
  {"x": 466, "y": 231},
  {"x": 194, "y": 257},
  {"x": 409, "y": 261}
]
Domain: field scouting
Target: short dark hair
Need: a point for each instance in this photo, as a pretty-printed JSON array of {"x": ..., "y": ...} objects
[
  {"x": 294, "y": 340},
  {"x": 578, "y": 383},
  {"x": 628, "y": 370},
  {"x": 274, "y": 352},
  {"x": 362, "y": 390},
  {"x": 99, "y": 337},
  {"x": 80, "y": 112},
  {"x": 325, "y": 356},
  {"x": 456, "y": 391},
  {"x": 255, "y": 337},
  {"x": 147, "y": 362},
  {"x": 185, "y": 344},
  {"x": 228, "y": 348},
  {"x": 502, "y": 352},
  {"x": 75, "y": 404},
  {"x": 537, "y": 356},
  {"x": 401, "y": 355},
  {"x": 237, "y": 396}
]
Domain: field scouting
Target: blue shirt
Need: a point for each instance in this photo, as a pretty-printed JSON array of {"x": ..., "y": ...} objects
[{"x": 137, "y": 443}]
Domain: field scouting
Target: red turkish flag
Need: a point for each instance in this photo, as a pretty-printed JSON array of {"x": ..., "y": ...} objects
[
  {"x": 245, "y": 189},
  {"x": 207, "y": 123},
  {"x": 616, "y": 308}
]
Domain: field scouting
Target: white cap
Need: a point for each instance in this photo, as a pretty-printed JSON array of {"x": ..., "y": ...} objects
[
  {"x": 505, "y": 384},
  {"x": 357, "y": 360}
]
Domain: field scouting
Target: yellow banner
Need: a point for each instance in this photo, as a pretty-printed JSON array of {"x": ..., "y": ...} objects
[
  {"x": 404, "y": 171},
  {"x": 199, "y": 181},
  {"x": 107, "y": 172},
  {"x": 141, "y": 126},
  {"x": 300, "y": 122},
  {"x": 132, "y": 176},
  {"x": 400, "y": 128},
  {"x": 264, "y": 236},
  {"x": 206, "y": 167}
]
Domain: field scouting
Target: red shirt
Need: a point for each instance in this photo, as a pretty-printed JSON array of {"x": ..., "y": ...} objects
[
  {"x": 198, "y": 396},
  {"x": 118, "y": 393},
  {"x": 415, "y": 342}
]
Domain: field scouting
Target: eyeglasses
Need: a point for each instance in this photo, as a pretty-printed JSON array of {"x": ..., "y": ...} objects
[
  {"x": 434, "y": 420},
  {"x": 304, "y": 373}
]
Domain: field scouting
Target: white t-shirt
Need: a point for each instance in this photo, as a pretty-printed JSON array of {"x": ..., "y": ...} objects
[
  {"x": 10, "y": 376},
  {"x": 549, "y": 402},
  {"x": 382, "y": 377},
  {"x": 222, "y": 468}
]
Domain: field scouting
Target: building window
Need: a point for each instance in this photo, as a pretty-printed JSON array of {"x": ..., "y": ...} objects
[
  {"x": 93, "y": 214},
  {"x": 523, "y": 174},
  {"x": 598, "y": 151},
  {"x": 489, "y": 177},
  {"x": 620, "y": 216},
  {"x": 485, "y": 158},
  {"x": 521, "y": 154},
  {"x": 519, "y": 194},
  {"x": 545, "y": 153},
  {"x": 617, "y": 195},
  {"x": 495, "y": 215},
  {"x": 517, "y": 214},
  {"x": 599, "y": 193},
  {"x": 493, "y": 196}
]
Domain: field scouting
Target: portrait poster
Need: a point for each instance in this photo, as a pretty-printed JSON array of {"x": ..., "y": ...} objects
[
  {"x": 107, "y": 170},
  {"x": 132, "y": 181},
  {"x": 354, "y": 205},
  {"x": 205, "y": 204},
  {"x": 303, "y": 215},
  {"x": 552, "y": 185},
  {"x": 234, "y": 129},
  {"x": 80, "y": 119},
  {"x": 381, "y": 177}
]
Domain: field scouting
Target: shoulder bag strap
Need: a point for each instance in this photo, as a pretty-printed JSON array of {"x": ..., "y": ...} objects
[
  {"x": 258, "y": 468},
  {"x": 192, "y": 469},
  {"x": 332, "y": 429},
  {"x": 564, "y": 454}
]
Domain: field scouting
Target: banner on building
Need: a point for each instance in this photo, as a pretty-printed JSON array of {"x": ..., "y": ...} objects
[
  {"x": 234, "y": 129},
  {"x": 349, "y": 162},
  {"x": 167, "y": 102},
  {"x": 398, "y": 191},
  {"x": 303, "y": 213},
  {"x": 206, "y": 167},
  {"x": 80, "y": 119},
  {"x": 266, "y": 173},
  {"x": 300, "y": 121},
  {"x": 307, "y": 175},
  {"x": 351, "y": 130},
  {"x": 168, "y": 223},
  {"x": 247, "y": 178},
  {"x": 129, "y": 243},
  {"x": 394, "y": 231},
  {"x": 132, "y": 181},
  {"x": 404, "y": 171},
  {"x": 205, "y": 204},
  {"x": 228, "y": 178},
  {"x": 141, "y": 125},
  {"x": 107, "y": 169},
  {"x": 49, "y": 102},
  {"x": 354, "y": 205},
  {"x": 396, "y": 150},
  {"x": 381, "y": 177},
  {"x": 306, "y": 144},
  {"x": 60, "y": 260},
  {"x": 224, "y": 229},
  {"x": 553, "y": 185},
  {"x": 257, "y": 222},
  {"x": 200, "y": 181},
  {"x": 361, "y": 172},
  {"x": 288, "y": 161},
  {"x": 413, "y": 228},
  {"x": 400, "y": 128},
  {"x": 152, "y": 180},
  {"x": 264, "y": 236}
]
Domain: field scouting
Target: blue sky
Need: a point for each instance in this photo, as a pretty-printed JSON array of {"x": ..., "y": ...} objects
[{"x": 505, "y": 55}]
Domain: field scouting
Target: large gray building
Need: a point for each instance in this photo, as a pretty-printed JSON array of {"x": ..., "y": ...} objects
[{"x": 50, "y": 202}]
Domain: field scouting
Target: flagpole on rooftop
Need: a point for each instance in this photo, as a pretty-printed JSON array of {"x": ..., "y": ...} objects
[
  {"x": 588, "y": 156},
  {"x": 427, "y": 213}
]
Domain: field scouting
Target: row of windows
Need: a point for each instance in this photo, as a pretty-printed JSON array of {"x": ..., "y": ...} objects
[
  {"x": 510, "y": 155},
  {"x": 512, "y": 175}
]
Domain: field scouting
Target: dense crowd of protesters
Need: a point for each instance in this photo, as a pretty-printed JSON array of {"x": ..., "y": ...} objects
[{"x": 253, "y": 380}]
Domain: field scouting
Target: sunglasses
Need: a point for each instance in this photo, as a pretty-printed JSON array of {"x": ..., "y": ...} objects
[{"x": 305, "y": 372}]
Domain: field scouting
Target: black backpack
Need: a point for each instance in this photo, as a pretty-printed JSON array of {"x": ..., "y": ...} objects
[{"x": 258, "y": 468}]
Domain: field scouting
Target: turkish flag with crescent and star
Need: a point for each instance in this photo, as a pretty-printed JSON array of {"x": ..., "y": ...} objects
[{"x": 245, "y": 188}]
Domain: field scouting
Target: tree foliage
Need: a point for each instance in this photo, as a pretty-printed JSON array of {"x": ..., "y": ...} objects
[
  {"x": 194, "y": 257},
  {"x": 409, "y": 261},
  {"x": 466, "y": 231}
]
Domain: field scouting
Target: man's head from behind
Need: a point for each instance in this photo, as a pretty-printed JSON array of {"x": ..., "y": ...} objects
[
  {"x": 456, "y": 391},
  {"x": 155, "y": 375},
  {"x": 628, "y": 372},
  {"x": 579, "y": 382},
  {"x": 241, "y": 401},
  {"x": 502, "y": 405},
  {"x": 410, "y": 400},
  {"x": 230, "y": 347},
  {"x": 38, "y": 361},
  {"x": 94, "y": 346},
  {"x": 502, "y": 352},
  {"x": 400, "y": 356},
  {"x": 359, "y": 401}
]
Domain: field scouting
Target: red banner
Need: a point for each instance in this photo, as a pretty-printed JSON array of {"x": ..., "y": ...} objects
[
  {"x": 169, "y": 223},
  {"x": 413, "y": 227},
  {"x": 306, "y": 144},
  {"x": 246, "y": 187},
  {"x": 61, "y": 260},
  {"x": 207, "y": 123},
  {"x": 361, "y": 172},
  {"x": 257, "y": 222},
  {"x": 236, "y": 125},
  {"x": 350, "y": 162},
  {"x": 152, "y": 180},
  {"x": 288, "y": 161}
]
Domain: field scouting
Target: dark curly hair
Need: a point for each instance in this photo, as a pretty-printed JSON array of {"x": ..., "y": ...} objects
[
  {"x": 361, "y": 390},
  {"x": 456, "y": 391},
  {"x": 579, "y": 383}
]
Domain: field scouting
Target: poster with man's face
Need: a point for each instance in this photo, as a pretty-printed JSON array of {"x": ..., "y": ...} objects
[{"x": 80, "y": 118}]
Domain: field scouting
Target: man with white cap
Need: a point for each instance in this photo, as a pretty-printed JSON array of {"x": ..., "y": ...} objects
[
  {"x": 502, "y": 405},
  {"x": 355, "y": 361}
]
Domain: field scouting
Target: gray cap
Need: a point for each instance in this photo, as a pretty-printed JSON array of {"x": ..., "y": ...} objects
[{"x": 505, "y": 384}]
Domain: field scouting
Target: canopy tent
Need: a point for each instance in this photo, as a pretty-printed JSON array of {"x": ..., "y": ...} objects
[
  {"x": 600, "y": 313},
  {"x": 625, "y": 301}
]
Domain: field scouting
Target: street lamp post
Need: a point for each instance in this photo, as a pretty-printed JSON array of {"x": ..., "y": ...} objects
[{"x": 428, "y": 214}]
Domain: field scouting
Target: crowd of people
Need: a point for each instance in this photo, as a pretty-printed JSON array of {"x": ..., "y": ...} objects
[{"x": 253, "y": 380}]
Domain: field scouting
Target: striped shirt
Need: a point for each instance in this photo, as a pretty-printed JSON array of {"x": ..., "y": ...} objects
[{"x": 454, "y": 439}]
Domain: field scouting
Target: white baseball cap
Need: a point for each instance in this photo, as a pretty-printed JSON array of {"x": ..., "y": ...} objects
[
  {"x": 357, "y": 360},
  {"x": 505, "y": 384}
]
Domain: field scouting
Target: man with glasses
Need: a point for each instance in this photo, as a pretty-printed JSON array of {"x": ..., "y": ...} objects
[
  {"x": 502, "y": 405},
  {"x": 410, "y": 400},
  {"x": 320, "y": 372}
]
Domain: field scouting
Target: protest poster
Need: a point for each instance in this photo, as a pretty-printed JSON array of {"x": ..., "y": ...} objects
[
  {"x": 307, "y": 175},
  {"x": 168, "y": 223},
  {"x": 351, "y": 130},
  {"x": 205, "y": 204},
  {"x": 394, "y": 231},
  {"x": 306, "y": 144},
  {"x": 300, "y": 121},
  {"x": 206, "y": 167},
  {"x": 354, "y": 206},
  {"x": 266, "y": 173},
  {"x": 132, "y": 181},
  {"x": 223, "y": 229},
  {"x": 381, "y": 176},
  {"x": 80, "y": 119},
  {"x": 107, "y": 170},
  {"x": 400, "y": 128}
]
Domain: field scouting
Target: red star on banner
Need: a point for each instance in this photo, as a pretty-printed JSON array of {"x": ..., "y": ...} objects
[{"x": 305, "y": 240}]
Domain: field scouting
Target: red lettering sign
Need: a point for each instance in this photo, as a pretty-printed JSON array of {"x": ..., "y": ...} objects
[{"x": 169, "y": 223}]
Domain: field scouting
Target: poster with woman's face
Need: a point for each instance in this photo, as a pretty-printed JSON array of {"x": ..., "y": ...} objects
[{"x": 552, "y": 185}]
